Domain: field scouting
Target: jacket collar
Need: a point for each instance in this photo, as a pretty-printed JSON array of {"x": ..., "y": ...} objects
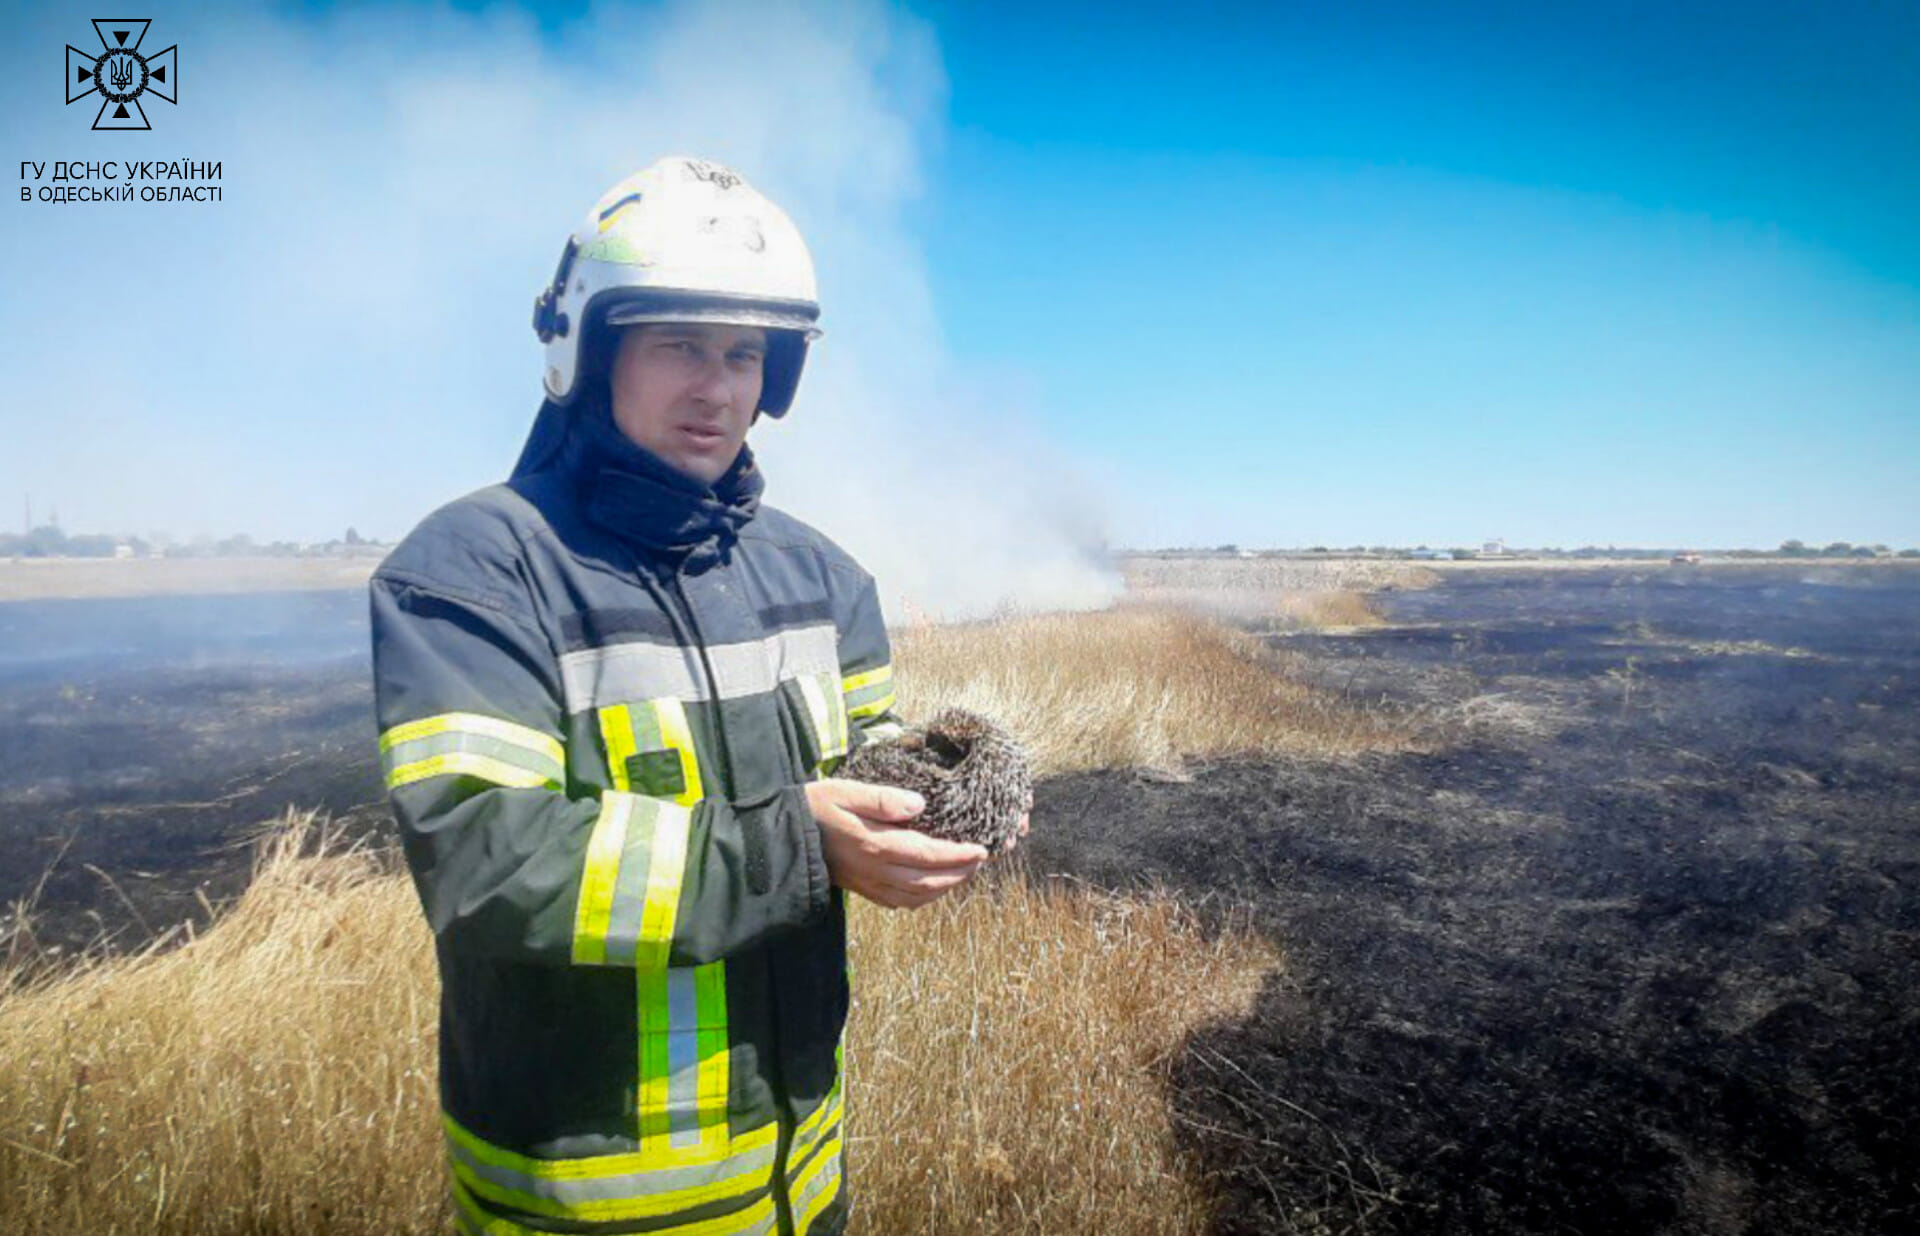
[{"x": 639, "y": 498}]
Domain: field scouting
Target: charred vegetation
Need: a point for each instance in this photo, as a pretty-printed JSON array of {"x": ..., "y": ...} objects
[{"x": 1640, "y": 953}]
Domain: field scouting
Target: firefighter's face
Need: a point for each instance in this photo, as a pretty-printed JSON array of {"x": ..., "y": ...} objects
[{"x": 688, "y": 391}]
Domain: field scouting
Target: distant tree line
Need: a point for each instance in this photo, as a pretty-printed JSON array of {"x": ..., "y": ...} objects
[
  {"x": 51, "y": 541},
  {"x": 48, "y": 541},
  {"x": 1840, "y": 549}
]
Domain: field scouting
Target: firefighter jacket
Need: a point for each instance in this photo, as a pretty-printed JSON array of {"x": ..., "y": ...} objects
[{"x": 600, "y": 688}]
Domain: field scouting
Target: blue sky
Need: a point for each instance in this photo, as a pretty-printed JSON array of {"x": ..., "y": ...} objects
[{"x": 1270, "y": 274}]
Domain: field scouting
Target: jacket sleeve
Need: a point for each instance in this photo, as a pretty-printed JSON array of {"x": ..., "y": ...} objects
[
  {"x": 866, "y": 669},
  {"x": 506, "y": 863}
]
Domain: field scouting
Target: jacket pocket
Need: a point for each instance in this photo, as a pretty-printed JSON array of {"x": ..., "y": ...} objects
[{"x": 650, "y": 750}]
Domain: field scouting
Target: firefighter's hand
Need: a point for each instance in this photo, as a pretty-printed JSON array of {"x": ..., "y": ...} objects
[{"x": 871, "y": 848}]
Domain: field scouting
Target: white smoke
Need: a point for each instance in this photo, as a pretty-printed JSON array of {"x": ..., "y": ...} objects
[{"x": 344, "y": 339}]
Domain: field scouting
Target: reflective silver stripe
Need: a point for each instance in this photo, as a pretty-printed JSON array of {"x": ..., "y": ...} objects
[
  {"x": 757, "y": 1219},
  {"x": 472, "y": 745},
  {"x": 683, "y": 1058},
  {"x": 489, "y": 748},
  {"x": 576, "y": 1193},
  {"x": 597, "y": 677},
  {"x": 866, "y": 696},
  {"x": 827, "y": 714},
  {"x": 819, "y": 1182},
  {"x": 627, "y": 911},
  {"x": 580, "y": 1189},
  {"x": 817, "y": 1123}
]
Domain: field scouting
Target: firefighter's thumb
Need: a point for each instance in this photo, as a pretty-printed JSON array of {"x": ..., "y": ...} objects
[{"x": 885, "y": 803}]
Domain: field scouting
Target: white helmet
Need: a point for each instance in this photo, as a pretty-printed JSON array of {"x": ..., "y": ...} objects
[{"x": 683, "y": 241}]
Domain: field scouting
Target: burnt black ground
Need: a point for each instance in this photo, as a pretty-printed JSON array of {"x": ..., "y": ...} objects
[
  {"x": 144, "y": 741},
  {"x": 1640, "y": 954},
  {"x": 124, "y": 803}
]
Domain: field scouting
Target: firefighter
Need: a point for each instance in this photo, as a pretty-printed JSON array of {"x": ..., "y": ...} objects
[{"x": 612, "y": 693}]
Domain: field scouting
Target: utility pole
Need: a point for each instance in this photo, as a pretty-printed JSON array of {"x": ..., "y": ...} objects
[{"x": 28, "y": 530}]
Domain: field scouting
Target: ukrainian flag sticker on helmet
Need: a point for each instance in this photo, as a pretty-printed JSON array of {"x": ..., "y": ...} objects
[{"x": 607, "y": 215}]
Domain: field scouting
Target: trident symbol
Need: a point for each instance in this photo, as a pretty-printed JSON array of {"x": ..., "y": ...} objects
[{"x": 123, "y": 73}]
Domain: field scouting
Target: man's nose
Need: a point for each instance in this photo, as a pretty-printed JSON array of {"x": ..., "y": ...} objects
[{"x": 712, "y": 384}]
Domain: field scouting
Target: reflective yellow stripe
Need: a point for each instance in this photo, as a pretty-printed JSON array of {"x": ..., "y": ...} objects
[
  {"x": 630, "y": 882},
  {"x": 475, "y": 1221},
  {"x": 868, "y": 694},
  {"x": 828, "y": 717},
  {"x": 666, "y": 866},
  {"x": 473, "y": 723},
  {"x": 466, "y": 763},
  {"x": 597, "y": 879},
  {"x": 684, "y": 1063},
  {"x": 816, "y": 1186},
  {"x": 616, "y": 728},
  {"x": 621, "y": 1169},
  {"x": 867, "y": 678},
  {"x": 817, "y": 1182},
  {"x": 872, "y": 708},
  {"x": 658, "y": 725},
  {"x": 818, "y": 1119},
  {"x": 754, "y": 1219},
  {"x": 467, "y": 744},
  {"x": 678, "y": 735}
]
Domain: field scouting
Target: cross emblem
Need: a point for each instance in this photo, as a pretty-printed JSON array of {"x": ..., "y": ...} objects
[{"x": 121, "y": 74}]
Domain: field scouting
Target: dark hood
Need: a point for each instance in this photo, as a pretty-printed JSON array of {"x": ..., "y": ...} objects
[{"x": 635, "y": 495}]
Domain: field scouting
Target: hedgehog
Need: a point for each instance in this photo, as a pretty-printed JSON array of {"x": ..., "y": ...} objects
[{"x": 974, "y": 776}]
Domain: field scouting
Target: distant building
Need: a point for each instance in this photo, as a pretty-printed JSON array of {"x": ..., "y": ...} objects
[
  {"x": 1685, "y": 558},
  {"x": 1495, "y": 548}
]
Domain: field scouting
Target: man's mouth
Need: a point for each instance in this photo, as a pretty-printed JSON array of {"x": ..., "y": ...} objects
[{"x": 704, "y": 435}]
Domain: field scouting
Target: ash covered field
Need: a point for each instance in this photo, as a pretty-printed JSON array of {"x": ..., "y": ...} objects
[
  {"x": 1635, "y": 949},
  {"x": 1639, "y": 953},
  {"x": 147, "y": 739}
]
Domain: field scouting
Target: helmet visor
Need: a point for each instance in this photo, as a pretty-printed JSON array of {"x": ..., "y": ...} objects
[{"x": 666, "y": 307}]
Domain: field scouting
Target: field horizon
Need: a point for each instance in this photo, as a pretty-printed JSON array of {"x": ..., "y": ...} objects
[{"x": 50, "y": 579}]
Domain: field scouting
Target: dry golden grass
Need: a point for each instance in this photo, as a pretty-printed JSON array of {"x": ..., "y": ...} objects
[
  {"x": 1133, "y": 687},
  {"x": 275, "y": 1076},
  {"x": 1008, "y": 1054},
  {"x": 1268, "y": 594},
  {"x": 1274, "y": 593}
]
